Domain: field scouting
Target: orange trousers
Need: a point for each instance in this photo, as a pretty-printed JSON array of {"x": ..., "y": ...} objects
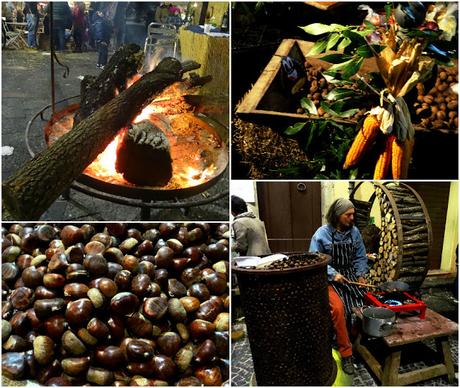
[{"x": 339, "y": 323}]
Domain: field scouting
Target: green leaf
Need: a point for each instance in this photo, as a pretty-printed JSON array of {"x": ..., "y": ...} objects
[
  {"x": 332, "y": 112},
  {"x": 318, "y": 47},
  {"x": 343, "y": 65},
  {"x": 388, "y": 9},
  {"x": 295, "y": 128},
  {"x": 339, "y": 93},
  {"x": 332, "y": 41},
  {"x": 343, "y": 44},
  {"x": 308, "y": 105},
  {"x": 311, "y": 136},
  {"x": 367, "y": 51},
  {"x": 336, "y": 58},
  {"x": 369, "y": 25},
  {"x": 355, "y": 37},
  {"x": 367, "y": 31},
  {"x": 352, "y": 69},
  {"x": 317, "y": 28}
]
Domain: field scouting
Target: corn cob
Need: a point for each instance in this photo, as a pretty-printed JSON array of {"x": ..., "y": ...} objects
[
  {"x": 363, "y": 141},
  {"x": 383, "y": 162},
  {"x": 397, "y": 159}
]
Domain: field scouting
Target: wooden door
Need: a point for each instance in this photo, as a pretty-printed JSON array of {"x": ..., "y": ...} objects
[
  {"x": 291, "y": 212},
  {"x": 436, "y": 198}
]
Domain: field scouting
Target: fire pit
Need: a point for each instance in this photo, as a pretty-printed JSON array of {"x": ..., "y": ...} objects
[{"x": 198, "y": 150}]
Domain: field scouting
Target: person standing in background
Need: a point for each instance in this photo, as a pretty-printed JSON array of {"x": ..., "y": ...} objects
[
  {"x": 62, "y": 19},
  {"x": 102, "y": 31},
  {"x": 32, "y": 19},
  {"x": 249, "y": 235},
  {"x": 119, "y": 24},
  {"x": 78, "y": 24}
]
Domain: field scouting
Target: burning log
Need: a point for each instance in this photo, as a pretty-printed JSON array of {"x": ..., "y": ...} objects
[
  {"x": 35, "y": 186},
  {"x": 143, "y": 156},
  {"x": 98, "y": 91}
]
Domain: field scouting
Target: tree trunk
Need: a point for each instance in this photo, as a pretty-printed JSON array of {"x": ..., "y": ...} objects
[{"x": 35, "y": 186}]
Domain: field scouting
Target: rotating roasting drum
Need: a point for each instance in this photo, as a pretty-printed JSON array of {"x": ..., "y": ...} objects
[
  {"x": 142, "y": 193},
  {"x": 406, "y": 234},
  {"x": 288, "y": 322}
]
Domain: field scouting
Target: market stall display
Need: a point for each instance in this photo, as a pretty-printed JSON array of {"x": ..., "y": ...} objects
[
  {"x": 319, "y": 93},
  {"x": 115, "y": 304}
]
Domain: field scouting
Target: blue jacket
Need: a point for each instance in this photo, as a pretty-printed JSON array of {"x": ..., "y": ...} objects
[
  {"x": 102, "y": 29},
  {"x": 322, "y": 242}
]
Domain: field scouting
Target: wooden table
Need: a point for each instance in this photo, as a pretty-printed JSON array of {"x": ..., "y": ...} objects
[{"x": 411, "y": 330}]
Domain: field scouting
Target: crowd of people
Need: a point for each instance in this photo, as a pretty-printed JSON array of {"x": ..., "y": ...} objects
[{"x": 90, "y": 27}]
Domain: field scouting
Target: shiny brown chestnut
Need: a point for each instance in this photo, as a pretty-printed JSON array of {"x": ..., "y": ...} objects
[
  {"x": 107, "y": 287},
  {"x": 113, "y": 269},
  {"x": 79, "y": 312},
  {"x": 123, "y": 280},
  {"x": 20, "y": 324},
  {"x": 140, "y": 285},
  {"x": 71, "y": 235},
  {"x": 175, "y": 245},
  {"x": 75, "y": 290},
  {"x": 41, "y": 292},
  {"x": 31, "y": 277},
  {"x": 53, "y": 280},
  {"x": 116, "y": 229},
  {"x": 169, "y": 343},
  {"x": 21, "y": 298},
  {"x": 103, "y": 238},
  {"x": 24, "y": 261},
  {"x": 94, "y": 248},
  {"x": 216, "y": 282},
  {"x": 10, "y": 272},
  {"x": 110, "y": 357},
  {"x": 58, "y": 263},
  {"x": 45, "y": 308},
  {"x": 164, "y": 257},
  {"x": 155, "y": 308},
  {"x": 96, "y": 265},
  {"x": 144, "y": 248},
  {"x": 209, "y": 375},
  {"x": 205, "y": 352},
  {"x": 190, "y": 303},
  {"x": 55, "y": 326},
  {"x": 139, "y": 350},
  {"x": 164, "y": 367},
  {"x": 76, "y": 253},
  {"x": 129, "y": 245},
  {"x": 15, "y": 343},
  {"x": 10, "y": 254},
  {"x": 139, "y": 326},
  {"x": 183, "y": 358},
  {"x": 97, "y": 328},
  {"x": 124, "y": 303},
  {"x": 176, "y": 289},
  {"x": 114, "y": 254},
  {"x": 131, "y": 263},
  {"x": 116, "y": 326},
  {"x": 45, "y": 233},
  {"x": 200, "y": 329},
  {"x": 88, "y": 231},
  {"x": 190, "y": 381},
  {"x": 190, "y": 276},
  {"x": 200, "y": 291}
]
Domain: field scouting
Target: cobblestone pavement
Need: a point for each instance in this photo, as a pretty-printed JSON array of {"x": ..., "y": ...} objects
[
  {"x": 25, "y": 91},
  {"x": 243, "y": 368}
]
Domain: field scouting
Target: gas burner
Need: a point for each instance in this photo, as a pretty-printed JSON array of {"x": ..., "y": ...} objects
[
  {"x": 400, "y": 302},
  {"x": 392, "y": 302}
]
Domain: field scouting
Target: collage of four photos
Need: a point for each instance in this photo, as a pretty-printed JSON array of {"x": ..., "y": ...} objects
[{"x": 229, "y": 193}]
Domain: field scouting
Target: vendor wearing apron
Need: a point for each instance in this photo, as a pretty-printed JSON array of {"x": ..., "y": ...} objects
[{"x": 343, "y": 242}]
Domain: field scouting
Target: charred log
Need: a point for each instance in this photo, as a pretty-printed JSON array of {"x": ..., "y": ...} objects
[
  {"x": 98, "y": 91},
  {"x": 37, "y": 184},
  {"x": 143, "y": 156}
]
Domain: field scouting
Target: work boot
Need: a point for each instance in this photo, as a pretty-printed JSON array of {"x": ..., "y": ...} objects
[{"x": 347, "y": 365}]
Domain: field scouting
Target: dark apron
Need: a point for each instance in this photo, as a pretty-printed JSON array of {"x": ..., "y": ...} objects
[{"x": 343, "y": 254}]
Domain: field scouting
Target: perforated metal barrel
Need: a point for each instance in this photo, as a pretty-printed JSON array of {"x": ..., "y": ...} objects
[{"x": 288, "y": 323}]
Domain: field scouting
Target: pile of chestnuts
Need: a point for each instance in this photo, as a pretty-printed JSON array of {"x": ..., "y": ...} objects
[
  {"x": 295, "y": 261},
  {"x": 116, "y": 304}
]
